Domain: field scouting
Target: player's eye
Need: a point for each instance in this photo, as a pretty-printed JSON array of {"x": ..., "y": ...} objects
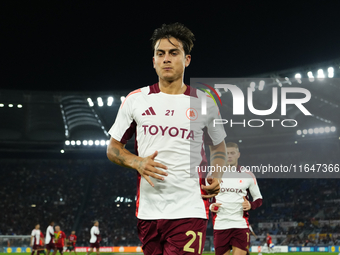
[{"x": 159, "y": 54}]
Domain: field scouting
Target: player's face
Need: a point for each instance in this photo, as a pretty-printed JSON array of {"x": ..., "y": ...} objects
[
  {"x": 170, "y": 60},
  {"x": 57, "y": 228},
  {"x": 37, "y": 226},
  {"x": 232, "y": 156},
  {"x": 73, "y": 232},
  {"x": 96, "y": 224}
]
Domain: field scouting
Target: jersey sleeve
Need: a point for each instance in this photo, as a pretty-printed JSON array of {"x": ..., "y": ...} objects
[
  {"x": 255, "y": 193},
  {"x": 32, "y": 234},
  {"x": 216, "y": 132},
  {"x": 123, "y": 128}
]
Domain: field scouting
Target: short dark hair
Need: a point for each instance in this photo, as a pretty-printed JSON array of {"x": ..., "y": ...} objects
[
  {"x": 232, "y": 145},
  {"x": 176, "y": 30}
]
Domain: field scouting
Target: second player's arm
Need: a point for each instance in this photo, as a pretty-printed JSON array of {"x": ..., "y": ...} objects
[
  {"x": 256, "y": 194},
  {"x": 117, "y": 153}
]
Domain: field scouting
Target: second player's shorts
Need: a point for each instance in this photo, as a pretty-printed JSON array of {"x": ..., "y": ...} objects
[
  {"x": 168, "y": 237},
  {"x": 36, "y": 247},
  {"x": 50, "y": 246},
  {"x": 70, "y": 248},
  {"x": 94, "y": 245},
  {"x": 225, "y": 239}
]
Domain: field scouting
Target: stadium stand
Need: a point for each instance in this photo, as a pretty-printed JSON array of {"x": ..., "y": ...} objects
[{"x": 53, "y": 165}]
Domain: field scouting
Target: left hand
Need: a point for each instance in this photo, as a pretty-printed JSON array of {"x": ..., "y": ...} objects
[
  {"x": 246, "y": 205},
  {"x": 213, "y": 189}
]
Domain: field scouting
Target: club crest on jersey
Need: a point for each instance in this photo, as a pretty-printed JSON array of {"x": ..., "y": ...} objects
[{"x": 192, "y": 114}]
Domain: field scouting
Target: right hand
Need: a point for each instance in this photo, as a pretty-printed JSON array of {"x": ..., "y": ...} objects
[
  {"x": 215, "y": 207},
  {"x": 147, "y": 167}
]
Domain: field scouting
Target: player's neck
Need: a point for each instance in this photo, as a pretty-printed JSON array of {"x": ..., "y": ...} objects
[{"x": 175, "y": 87}]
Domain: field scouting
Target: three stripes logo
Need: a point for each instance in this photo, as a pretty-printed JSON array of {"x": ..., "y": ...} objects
[{"x": 149, "y": 111}]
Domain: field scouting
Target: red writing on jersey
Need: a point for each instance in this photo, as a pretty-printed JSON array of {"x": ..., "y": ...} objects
[
  {"x": 231, "y": 190},
  {"x": 171, "y": 131}
]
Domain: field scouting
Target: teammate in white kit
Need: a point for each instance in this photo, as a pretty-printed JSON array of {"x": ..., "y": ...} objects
[
  {"x": 95, "y": 238},
  {"x": 172, "y": 203},
  {"x": 231, "y": 225},
  {"x": 35, "y": 239},
  {"x": 49, "y": 239}
]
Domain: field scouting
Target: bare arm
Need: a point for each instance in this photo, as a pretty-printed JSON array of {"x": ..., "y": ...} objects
[
  {"x": 117, "y": 153},
  {"x": 217, "y": 159}
]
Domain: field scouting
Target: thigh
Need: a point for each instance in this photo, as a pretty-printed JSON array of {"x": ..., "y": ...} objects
[
  {"x": 50, "y": 246},
  {"x": 222, "y": 241},
  {"x": 184, "y": 236},
  {"x": 150, "y": 237},
  {"x": 241, "y": 239}
]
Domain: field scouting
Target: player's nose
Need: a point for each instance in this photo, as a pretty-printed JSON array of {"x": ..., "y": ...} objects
[{"x": 167, "y": 58}]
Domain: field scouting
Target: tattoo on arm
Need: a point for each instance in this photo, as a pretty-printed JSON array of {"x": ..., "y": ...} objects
[
  {"x": 215, "y": 157},
  {"x": 120, "y": 159},
  {"x": 218, "y": 154}
]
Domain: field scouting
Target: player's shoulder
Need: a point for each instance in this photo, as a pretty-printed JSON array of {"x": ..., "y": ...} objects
[
  {"x": 134, "y": 95},
  {"x": 248, "y": 174},
  {"x": 144, "y": 91}
]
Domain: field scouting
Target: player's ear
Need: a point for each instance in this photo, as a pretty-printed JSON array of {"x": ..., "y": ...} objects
[{"x": 187, "y": 60}]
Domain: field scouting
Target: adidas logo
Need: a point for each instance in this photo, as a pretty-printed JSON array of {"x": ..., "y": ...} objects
[{"x": 149, "y": 111}]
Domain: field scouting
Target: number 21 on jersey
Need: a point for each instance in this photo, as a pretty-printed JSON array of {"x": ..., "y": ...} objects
[
  {"x": 187, "y": 246},
  {"x": 169, "y": 112}
]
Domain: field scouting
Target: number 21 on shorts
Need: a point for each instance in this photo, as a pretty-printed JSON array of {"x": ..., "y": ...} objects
[{"x": 187, "y": 246}]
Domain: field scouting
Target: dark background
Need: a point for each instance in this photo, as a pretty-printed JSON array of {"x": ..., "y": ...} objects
[{"x": 104, "y": 45}]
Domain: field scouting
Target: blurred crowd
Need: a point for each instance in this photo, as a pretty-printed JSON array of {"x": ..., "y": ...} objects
[{"x": 74, "y": 193}]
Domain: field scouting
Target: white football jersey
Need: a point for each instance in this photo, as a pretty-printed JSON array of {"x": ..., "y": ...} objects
[
  {"x": 233, "y": 187},
  {"x": 49, "y": 235},
  {"x": 94, "y": 231},
  {"x": 36, "y": 234},
  {"x": 174, "y": 126}
]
